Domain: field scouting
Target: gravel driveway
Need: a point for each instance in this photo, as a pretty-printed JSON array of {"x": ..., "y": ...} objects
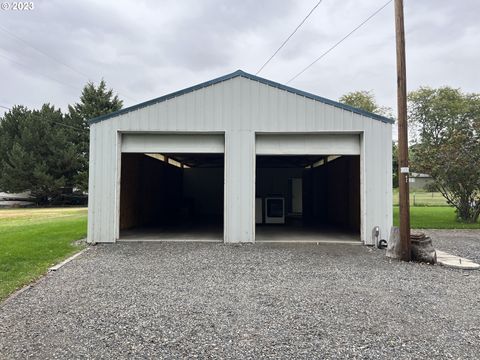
[{"x": 171, "y": 300}]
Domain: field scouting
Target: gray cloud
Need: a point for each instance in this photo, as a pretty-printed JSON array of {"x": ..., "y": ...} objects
[{"x": 144, "y": 49}]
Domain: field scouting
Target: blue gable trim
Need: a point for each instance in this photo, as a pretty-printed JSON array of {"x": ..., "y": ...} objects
[{"x": 247, "y": 76}]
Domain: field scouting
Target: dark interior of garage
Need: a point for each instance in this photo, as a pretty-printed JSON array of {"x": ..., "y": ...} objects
[
  {"x": 309, "y": 198},
  {"x": 172, "y": 196}
]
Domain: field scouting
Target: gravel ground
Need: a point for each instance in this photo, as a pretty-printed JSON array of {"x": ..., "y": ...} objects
[
  {"x": 464, "y": 243},
  {"x": 171, "y": 300}
]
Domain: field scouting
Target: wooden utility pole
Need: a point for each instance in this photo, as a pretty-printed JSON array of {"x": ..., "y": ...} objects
[{"x": 403, "y": 170}]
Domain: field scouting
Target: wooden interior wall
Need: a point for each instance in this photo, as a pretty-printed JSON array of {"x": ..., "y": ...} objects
[
  {"x": 332, "y": 193},
  {"x": 203, "y": 190},
  {"x": 355, "y": 191},
  {"x": 161, "y": 192},
  {"x": 150, "y": 191},
  {"x": 130, "y": 199},
  {"x": 343, "y": 196},
  {"x": 314, "y": 196}
]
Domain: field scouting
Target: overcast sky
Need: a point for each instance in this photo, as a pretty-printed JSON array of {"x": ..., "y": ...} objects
[{"x": 145, "y": 49}]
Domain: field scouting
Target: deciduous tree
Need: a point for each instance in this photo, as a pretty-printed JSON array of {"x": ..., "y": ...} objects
[
  {"x": 365, "y": 100},
  {"x": 447, "y": 145}
]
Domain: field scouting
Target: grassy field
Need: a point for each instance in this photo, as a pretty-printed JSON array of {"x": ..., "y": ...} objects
[
  {"x": 31, "y": 240},
  {"x": 422, "y": 198},
  {"x": 429, "y": 210},
  {"x": 433, "y": 217}
]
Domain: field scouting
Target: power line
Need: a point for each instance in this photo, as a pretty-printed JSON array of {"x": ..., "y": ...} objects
[
  {"x": 66, "y": 125},
  {"x": 340, "y": 41},
  {"x": 29, "y": 68},
  {"x": 44, "y": 53},
  {"x": 4, "y": 107},
  {"x": 288, "y": 38},
  {"x": 52, "y": 58},
  {"x": 43, "y": 75}
]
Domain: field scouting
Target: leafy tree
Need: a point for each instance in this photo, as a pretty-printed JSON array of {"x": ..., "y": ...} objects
[
  {"x": 365, "y": 100},
  {"x": 394, "y": 164},
  {"x": 36, "y": 153},
  {"x": 94, "y": 101},
  {"x": 447, "y": 135}
]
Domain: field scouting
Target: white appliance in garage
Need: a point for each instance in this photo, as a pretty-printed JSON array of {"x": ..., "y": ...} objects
[
  {"x": 258, "y": 210},
  {"x": 274, "y": 210}
]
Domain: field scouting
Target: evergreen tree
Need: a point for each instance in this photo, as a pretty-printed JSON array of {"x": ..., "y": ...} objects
[
  {"x": 36, "y": 153},
  {"x": 94, "y": 101}
]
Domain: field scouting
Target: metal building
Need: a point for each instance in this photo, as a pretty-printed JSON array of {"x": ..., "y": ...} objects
[{"x": 240, "y": 159}]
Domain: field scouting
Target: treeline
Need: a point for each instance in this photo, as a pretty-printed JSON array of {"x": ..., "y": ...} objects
[{"x": 45, "y": 151}]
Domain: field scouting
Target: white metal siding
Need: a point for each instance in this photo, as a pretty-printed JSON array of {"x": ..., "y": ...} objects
[
  {"x": 103, "y": 175},
  {"x": 308, "y": 144},
  {"x": 239, "y": 223},
  {"x": 240, "y": 108},
  {"x": 173, "y": 143}
]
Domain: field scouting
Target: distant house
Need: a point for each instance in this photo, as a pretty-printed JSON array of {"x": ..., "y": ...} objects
[{"x": 419, "y": 181}]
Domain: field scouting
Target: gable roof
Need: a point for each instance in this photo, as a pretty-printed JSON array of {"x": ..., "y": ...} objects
[{"x": 250, "y": 77}]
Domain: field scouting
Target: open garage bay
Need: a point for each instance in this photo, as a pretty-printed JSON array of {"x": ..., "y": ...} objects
[
  {"x": 308, "y": 198},
  {"x": 172, "y": 197}
]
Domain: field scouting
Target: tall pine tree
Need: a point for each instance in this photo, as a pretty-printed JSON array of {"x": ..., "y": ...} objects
[
  {"x": 94, "y": 101},
  {"x": 36, "y": 153}
]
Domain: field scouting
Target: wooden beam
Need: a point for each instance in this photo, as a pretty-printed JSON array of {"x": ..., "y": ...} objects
[{"x": 403, "y": 171}]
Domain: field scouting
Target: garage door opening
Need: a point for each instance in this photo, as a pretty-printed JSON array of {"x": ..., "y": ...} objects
[
  {"x": 307, "y": 198},
  {"x": 172, "y": 196}
]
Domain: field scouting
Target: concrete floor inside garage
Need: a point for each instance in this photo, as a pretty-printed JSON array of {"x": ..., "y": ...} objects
[
  {"x": 171, "y": 197},
  {"x": 320, "y": 195}
]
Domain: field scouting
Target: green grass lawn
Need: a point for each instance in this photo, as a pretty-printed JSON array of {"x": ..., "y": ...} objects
[
  {"x": 32, "y": 240},
  {"x": 420, "y": 197},
  {"x": 433, "y": 217}
]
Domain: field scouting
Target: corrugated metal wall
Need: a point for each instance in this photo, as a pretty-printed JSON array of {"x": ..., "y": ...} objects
[{"x": 239, "y": 108}]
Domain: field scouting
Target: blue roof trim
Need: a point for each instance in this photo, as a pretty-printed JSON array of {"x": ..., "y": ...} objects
[{"x": 248, "y": 76}]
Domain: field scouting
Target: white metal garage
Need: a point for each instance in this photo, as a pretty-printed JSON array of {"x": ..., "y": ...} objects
[{"x": 263, "y": 137}]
